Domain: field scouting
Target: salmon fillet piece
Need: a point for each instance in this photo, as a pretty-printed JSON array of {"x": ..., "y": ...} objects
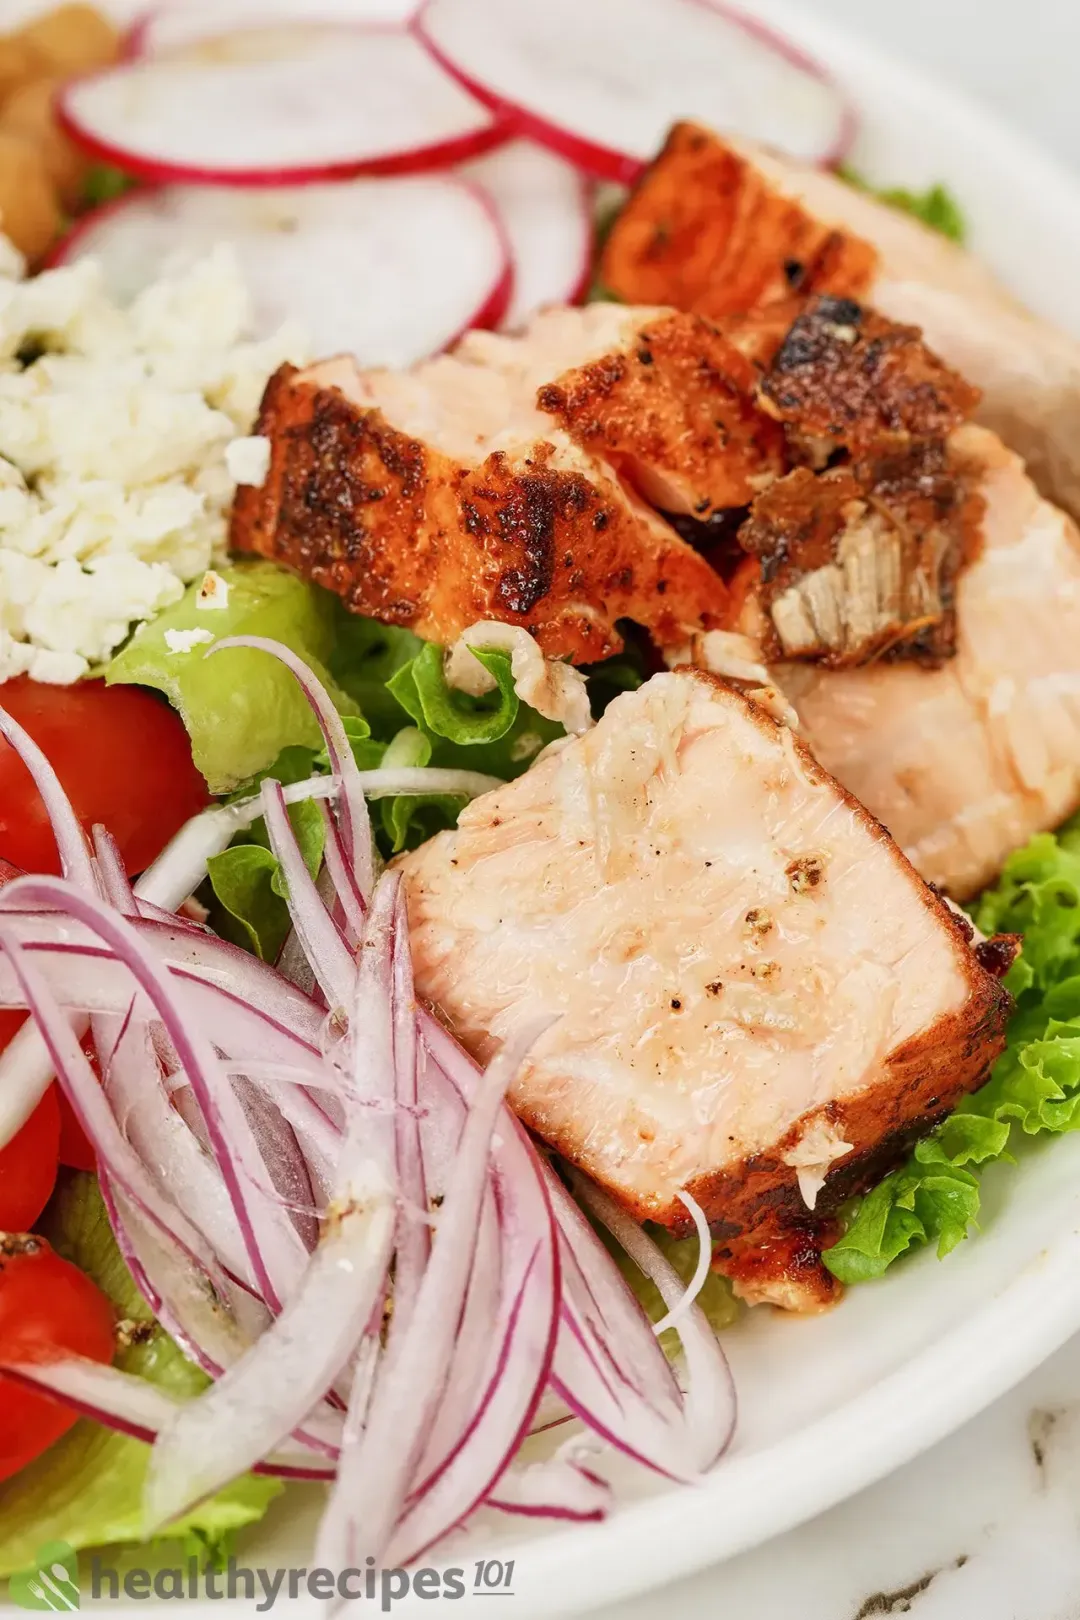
[
  {"x": 861, "y": 545},
  {"x": 663, "y": 397},
  {"x": 966, "y": 762},
  {"x": 723, "y": 227},
  {"x": 439, "y": 497},
  {"x": 757, "y": 998}
]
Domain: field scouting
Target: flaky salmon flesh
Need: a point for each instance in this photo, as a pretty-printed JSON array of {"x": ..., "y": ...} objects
[
  {"x": 964, "y": 763},
  {"x": 723, "y": 227},
  {"x": 756, "y": 997}
]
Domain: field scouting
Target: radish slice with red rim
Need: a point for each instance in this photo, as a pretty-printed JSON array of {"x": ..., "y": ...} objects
[
  {"x": 353, "y": 263},
  {"x": 168, "y": 28},
  {"x": 602, "y": 83},
  {"x": 275, "y": 106},
  {"x": 547, "y": 208}
]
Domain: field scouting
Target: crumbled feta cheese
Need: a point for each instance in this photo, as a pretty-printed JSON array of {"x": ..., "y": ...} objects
[
  {"x": 248, "y": 460},
  {"x": 213, "y": 592},
  {"x": 185, "y": 641},
  {"x": 56, "y": 668},
  {"x": 119, "y": 451},
  {"x": 813, "y": 1156}
]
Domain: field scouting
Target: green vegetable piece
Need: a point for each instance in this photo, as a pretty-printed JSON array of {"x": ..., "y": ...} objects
[
  {"x": 1035, "y": 1085},
  {"x": 241, "y": 708},
  {"x": 716, "y": 1299},
  {"x": 421, "y": 689},
  {"x": 248, "y": 882},
  {"x": 366, "y": 655},
  {"x": 936, "y": 206},
  {"x": 104, "y": 183},
  {"x": 497, "y": 734}
]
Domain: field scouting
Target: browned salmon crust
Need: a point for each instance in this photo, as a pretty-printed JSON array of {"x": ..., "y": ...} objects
[
  {"x": 414, "y": 536},
  {"x": 844, "y": 375},
  {"x": 679, "y": 399},
  {"x": 770, "y": 1242},
  {"x": 705, "y": 231},
  {"x": 721, "y": 227},
  {"x": 679, "y": 1058}
]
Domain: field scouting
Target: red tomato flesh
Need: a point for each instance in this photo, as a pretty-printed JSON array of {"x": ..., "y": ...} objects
[
  {"x": 28, "y": 1166},
  {"x": 48, "y": 1309},
  {"x": 123, "y": 758}
]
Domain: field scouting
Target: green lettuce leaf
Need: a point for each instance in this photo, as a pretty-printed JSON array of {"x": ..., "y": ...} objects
[
  {"x": 365, "y": 657},
  {"x": 240, "y": 708},
  {"x": 717, "y": 1297},
  {"x": 104, "y": 183},
  {"x": 248, "y": 881},
  {"x": 497, "y": 734},
  {"x": 87, "y": 1490},
  {"x": 1034, "y": 1089},
  {"x": 936, "y": 206}
]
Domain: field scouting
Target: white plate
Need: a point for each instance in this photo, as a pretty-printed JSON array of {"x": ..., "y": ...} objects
[{"x": 830, "y": 1405}]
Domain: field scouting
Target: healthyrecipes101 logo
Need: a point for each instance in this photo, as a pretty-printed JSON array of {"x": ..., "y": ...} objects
[{"x": 53, "y": 1582}]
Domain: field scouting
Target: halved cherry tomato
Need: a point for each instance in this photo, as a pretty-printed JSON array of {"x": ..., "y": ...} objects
[
  {"x": 48, "y": 1307},
  {"x": 28, "y": 1166},
  {"x": 123, "y": 758},
  {"x": 28, "y": 1163},
  {"x": 75, "y": 1149}
]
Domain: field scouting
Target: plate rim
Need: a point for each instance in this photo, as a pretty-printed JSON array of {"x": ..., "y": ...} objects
[{"x": 669, "y": 1536}]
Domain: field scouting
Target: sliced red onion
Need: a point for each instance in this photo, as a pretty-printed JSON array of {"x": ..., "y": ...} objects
[
  {"x": 133, "y": 1406},
  {"x": 315, "y": 928},
  {"x": 181, "y": 866},
  {"x": 515, "y": 1367},
  {"x": 94, "y": 1113},
  {"x": 75, "y": 862},
  {"x": 673, "y": 1317},
  {"x": 413, "y": 1241},
  {"x": 373, "y": 1475},
  {"x": 559, "y": 1489},
  {"x": 254, "y": 1014},
  {"x": 201, "y": 1322},
  {"x": 267, "y": 1395},
  {"x": 385, "y": 784},
  {"x": 276, "y": 1253},
  {"x": 710, "y": 1400},
  {"x": 130, "y": 1405},
  {"x": 112, "y": 873}
]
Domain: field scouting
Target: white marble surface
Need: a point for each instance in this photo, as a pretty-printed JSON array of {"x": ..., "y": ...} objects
[{"x": 987, "y": 1525}]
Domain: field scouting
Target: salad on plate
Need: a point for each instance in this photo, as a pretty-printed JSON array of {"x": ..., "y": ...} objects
[{"x": 539, "y": 654}]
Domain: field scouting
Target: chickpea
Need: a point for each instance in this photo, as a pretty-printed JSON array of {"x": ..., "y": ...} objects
[
  {"x": 19, "y": 63},
  {"x": 29, "y": 206},
  {"x": 29, "y": 112},
  {"x": 72, "y": 39}
]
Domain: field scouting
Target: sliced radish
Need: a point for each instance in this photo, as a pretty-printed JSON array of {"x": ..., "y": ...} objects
[
  {"x": 181, "y": 23},
  {"x": 546, "y": 207},
  {"x": 601, "y": 82},
  {"x": 390, "y": 270},
  {"x": 280, "y": 105}
]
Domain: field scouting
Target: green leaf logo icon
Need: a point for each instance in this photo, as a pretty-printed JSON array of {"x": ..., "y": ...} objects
[{"x": 53, "y": 1583}]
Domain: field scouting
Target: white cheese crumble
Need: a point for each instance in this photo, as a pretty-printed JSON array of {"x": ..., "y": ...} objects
[
  {"x": 557, "y": 691},
  {"x": 813, "y": 1156},
  {"x": 248, "y": 460},
  {"x": 213, "y": 592},
  {"x": 185, "y": 641},
  {"x": 123, "y": 434}
]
